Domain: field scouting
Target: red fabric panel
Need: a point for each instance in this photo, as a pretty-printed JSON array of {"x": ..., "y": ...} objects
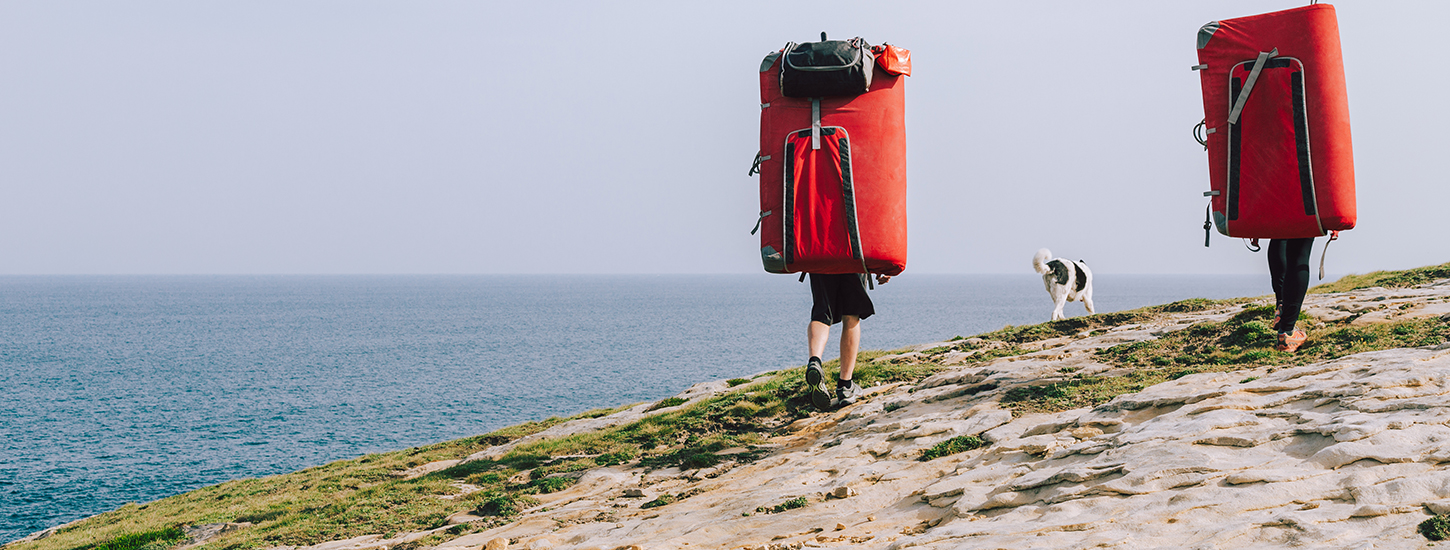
[
  {"x": 1311, "y": 35},
  {"x": 876, "y": 124},
  {"x": 820, "y": 211},
  {"x": 1271, "y": 198}
]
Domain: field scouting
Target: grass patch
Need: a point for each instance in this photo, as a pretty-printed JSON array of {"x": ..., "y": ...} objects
[
  {"x": 959, "y": 444},
  {"x": 159, "y": 539},
  {"x": 1436, "y": 528},
  {"x": 659, "y": 501},
  {"x": 502, "y": 503},
  {"x": 737, "y": 381},
  {"x": 1387, "y": 279},
  {"x": 339, "y": 500},
  {"x": 1078, "y": 325},
  {"x": 1243, "y": 341},
  {"x": 668, "y": 402},
  {"x": 797, "y": 502}
]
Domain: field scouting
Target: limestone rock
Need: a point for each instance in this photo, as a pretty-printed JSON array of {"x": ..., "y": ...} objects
[{"x": 497, "y": 544}]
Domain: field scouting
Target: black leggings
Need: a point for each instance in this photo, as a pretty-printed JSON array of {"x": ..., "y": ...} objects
[{"x": 1289, "y": 271}]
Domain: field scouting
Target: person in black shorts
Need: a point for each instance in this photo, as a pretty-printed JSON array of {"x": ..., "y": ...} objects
[
  {"x": 841, "y": 299},
  {"x": 1289, "y": 275}
]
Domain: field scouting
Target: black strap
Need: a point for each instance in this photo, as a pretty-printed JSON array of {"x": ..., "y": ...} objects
[
  {"x": 1206, "y": 224},
  {"x": 803, "y": 277}
]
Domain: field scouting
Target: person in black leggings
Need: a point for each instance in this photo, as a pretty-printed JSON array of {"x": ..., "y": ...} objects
[{"x": 1289, "y": 270}]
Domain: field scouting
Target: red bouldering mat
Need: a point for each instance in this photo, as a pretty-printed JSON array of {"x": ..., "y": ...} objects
[
  {"x": 1277, "y": 124},
  {"x": 833, "y": 169}
]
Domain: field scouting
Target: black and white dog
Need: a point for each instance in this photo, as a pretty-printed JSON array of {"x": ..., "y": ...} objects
[{"x": 1066, "y": 280}]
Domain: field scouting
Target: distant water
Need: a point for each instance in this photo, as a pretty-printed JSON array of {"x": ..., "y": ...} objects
[{"x": 129, "y": 389}]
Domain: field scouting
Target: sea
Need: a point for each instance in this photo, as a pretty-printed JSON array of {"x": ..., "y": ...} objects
[{"x": 117, "y": 389}]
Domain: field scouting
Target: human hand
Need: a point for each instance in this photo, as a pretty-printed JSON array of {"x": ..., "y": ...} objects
[{"x": 882, "y": 279}]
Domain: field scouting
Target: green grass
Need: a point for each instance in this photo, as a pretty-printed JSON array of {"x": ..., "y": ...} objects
[
  {"x": 797, "y": 502},
  {"x": 1436, "y": 528},
  {"x": 668, "y": 402},
  {"x": 159, "y": 539},
  {"x": 1387, "y": 279},
  {"x": 662, "y": 500},
  {"x": 1242, "y": 342},
  {"x": 959, "y": 444},
  {"x": 343, "y": 499},
  {"x": 737, "y": 381}
]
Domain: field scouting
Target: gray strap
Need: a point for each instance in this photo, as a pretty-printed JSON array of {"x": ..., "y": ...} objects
[
  {"x": 815, "y": 123},
  {"x": 1333, "y": 236},
  {"x": 1233, "y": 115},
  {"x": 1200, "y": 67},
  {"x": 759, "y": 220}
]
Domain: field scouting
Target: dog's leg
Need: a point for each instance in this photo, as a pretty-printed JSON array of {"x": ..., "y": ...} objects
[
  {"x": 1059, "y": 299},
  {"x": 1087, "y": 300}
]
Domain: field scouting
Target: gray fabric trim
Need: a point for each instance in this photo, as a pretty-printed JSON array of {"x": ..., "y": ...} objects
[
  {"x": 769, "y": 60},
  {"x": 1205, "y": 33},
  {"x": 1199, "y": 67},
  {"x": 1233, "y": 114},
  {"x": 774, "y": 263},
  {"x": 1220, "y": 222}
]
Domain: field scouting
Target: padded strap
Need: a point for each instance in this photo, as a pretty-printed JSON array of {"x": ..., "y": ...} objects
[{"x": 1233, "y": 115}]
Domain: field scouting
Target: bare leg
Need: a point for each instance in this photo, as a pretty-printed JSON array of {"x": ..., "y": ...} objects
[
  {"x": 850, "y": 344},
  {"x": 816, "y": 335}
]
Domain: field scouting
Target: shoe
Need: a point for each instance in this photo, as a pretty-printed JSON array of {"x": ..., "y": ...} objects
[
  {"x": 816, "y": 384},
  {"x": 1291, "y": 342},
  {"x": 847, "y": 394}
]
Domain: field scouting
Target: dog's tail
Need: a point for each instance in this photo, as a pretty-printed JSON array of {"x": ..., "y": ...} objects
[{"x": 1039, "y": 261}]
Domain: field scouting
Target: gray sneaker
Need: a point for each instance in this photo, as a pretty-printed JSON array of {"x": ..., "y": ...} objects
[
  {"x": 816, "y": 384},
  {"x": 847, "y": 394}
]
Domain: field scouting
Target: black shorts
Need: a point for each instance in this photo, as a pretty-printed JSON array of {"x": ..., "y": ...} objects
[{"x": 836, "y": 295}]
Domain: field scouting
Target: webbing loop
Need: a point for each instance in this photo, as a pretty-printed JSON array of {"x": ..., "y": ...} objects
[
  {"x": 755, "y": 166},
  {"x": 759, "y": 220},
  {"x": 1252, "y": 244}
]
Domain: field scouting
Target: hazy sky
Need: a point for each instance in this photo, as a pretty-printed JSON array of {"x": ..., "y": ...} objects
[{"x": 614, "y": 137}]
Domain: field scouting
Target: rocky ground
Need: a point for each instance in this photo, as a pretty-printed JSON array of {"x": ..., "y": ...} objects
[{"x": 1349, "y": 453}]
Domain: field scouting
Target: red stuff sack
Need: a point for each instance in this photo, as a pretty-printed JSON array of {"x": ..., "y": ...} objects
[
  {"x": 1277, "y": 124},
  {"x": 893, "y": 60},
  {"x": 832, "y": 177}
]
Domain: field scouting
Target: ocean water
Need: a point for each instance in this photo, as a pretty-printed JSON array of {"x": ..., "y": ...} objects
[{"x": 117, "y": 389}]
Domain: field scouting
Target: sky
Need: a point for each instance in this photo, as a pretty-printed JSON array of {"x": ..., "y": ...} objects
[{"x": 342, "y": 137}]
